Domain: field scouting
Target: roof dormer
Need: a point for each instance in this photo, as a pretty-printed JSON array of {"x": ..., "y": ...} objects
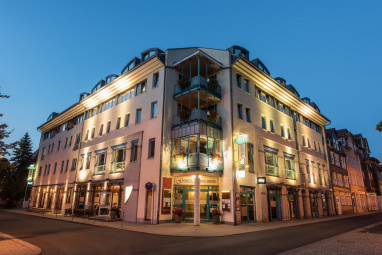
[
  {"x": 146, "y": 54},
  {"x": 257, "y": 62},
  {"x": 238, "y": 50},
  {"x": 99, "y": 85},
  {"x": 130, "y": 65}
]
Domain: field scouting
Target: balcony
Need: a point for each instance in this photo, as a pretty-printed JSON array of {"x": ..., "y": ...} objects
[
  {"x": 198, "y": 115},
  {"x": 99, "y": 169},
  {"x": 117, "y": 167},
  {"x": 195, "y": 83},
  {"x": 186, "y": 162}
]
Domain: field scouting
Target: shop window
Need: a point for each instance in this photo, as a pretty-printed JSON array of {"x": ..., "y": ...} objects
[
  {"x": 100, "y": 163},
  {"x": 118, "y": 160},
  {"x": 271, "y": 164},
  {"x": 69, "y": 194},
  {"x": 290, "y": 172}
]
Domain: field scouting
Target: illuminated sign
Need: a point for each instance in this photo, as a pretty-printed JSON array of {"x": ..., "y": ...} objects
[
  {"x": 31, "y": 167},
  {"x": 241, "y": 139},
  {"x": 261, "y": 180},
  {"x": 30, "y": 183},
  {"x": 242, "y": 154}
]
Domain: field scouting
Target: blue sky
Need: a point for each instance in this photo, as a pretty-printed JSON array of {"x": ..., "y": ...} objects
[{"x": 51, "y": 51}]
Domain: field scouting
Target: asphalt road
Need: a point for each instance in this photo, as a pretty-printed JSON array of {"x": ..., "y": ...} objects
[{"x": 61, "y": 237}]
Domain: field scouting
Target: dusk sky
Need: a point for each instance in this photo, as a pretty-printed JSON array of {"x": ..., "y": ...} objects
[{"x": 51, "y": 51}]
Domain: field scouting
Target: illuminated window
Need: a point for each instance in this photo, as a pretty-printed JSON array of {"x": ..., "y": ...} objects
[
  {"x": 290, "y": 172},
  {"x": 271, "y": 164}
]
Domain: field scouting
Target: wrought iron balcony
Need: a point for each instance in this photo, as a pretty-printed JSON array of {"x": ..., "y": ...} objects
[
  {"x": 197, "y": 82},
  {"x": 198, "y": 115}
]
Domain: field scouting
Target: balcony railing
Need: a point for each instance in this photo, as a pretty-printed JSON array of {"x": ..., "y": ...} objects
[
  {"x": 99, "y": 169},
  {"x": 117, "y": 167},
  {"x": 198, "y": 116},
  {"x": 198, "y": 82},
  {"x": 184, "y": 162}
]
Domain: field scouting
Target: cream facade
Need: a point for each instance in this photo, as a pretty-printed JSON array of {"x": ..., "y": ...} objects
[{"x": 203, "y": 130}]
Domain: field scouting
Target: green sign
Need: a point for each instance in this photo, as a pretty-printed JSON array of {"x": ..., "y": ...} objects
[
  {"x": 242, "y": 139},
  {"x": 31, "y": 167}
]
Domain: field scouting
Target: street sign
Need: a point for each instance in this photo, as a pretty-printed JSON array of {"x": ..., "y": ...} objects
[{"x": 149, "y": 185}]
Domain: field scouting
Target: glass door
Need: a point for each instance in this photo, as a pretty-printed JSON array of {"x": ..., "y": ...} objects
[
  {"x": 313, "y": 204},
  {"x": 105, "y": 204},
  {"x": 324, "y": 205},
  {"x": 247, "y": 204},
  {"x": 274, "y": 204}
]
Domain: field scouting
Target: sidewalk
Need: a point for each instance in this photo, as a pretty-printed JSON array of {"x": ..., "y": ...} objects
[
  {"x": 187, "y": 229},
  {"x": 355, "y": 242},
  {"x": 10, "y": 245}
]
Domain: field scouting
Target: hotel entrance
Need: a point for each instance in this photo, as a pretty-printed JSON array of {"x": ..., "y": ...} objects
[
  {"x": 247, "y": 204},
  {"x": 184, "y": 197}
]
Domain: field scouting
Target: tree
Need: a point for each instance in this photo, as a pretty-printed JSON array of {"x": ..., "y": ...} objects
[
  {"x": 379, "y": 126},
  {"x": 4, "y": 134},
  {"x": 14, "y": 176}
]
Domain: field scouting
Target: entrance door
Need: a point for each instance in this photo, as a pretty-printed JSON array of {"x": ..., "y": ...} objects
[
  {"x": 247, "y": 204},
  {"x": 313, "y": 205},
  {"x": 105, "y": 204},
  {"x": 324, "y": 205},
  {"x": 292, "y": 202},
  {"x": 42, "y": 198},
  {"x": 274, "y": 204}
]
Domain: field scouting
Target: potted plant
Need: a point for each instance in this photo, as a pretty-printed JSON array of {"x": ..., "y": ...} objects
[
  {"x": 212, "y": 84},
  {"x": 216, "y": 213},
  {"x": 114, "y": 212},
  {"x": 184, "y": 83},
  {"x": 184, "y": 114},
  {"x": 178, "y": 212}
]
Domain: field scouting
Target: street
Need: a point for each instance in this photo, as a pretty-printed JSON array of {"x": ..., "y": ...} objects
[{"x": 59, "y": 237}]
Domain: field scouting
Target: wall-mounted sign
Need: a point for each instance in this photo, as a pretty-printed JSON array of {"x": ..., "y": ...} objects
[
  {"x": 241, "y": 139},
  {"x": 128, "y": 191},
  {"x": 261, "y": 180},
  {"x": 242, "y": 154},
  {"x": 30, "y": 183},
  {"x": 240, "y": 173},
  {"x": 31, "y": 167},
  {"x": 190, "y": 180},
  {"x": 149, "y": 185},
  {"x": 226, "y": 201}
]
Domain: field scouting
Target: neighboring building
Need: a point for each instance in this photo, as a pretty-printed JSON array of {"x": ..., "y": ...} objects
[
  {"x": 339, "y": 172},
  {"x": 376, "y": 168},
  {"x": 368, "y": 178},
  {"x": 203, "y": 126}
]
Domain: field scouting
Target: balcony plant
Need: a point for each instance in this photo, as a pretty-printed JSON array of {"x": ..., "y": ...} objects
[
  {"x": 216, "y": 213},
  {"x": 184, "y": 83},
  {"x": 180, "y": 160},
  {"x": 178, "y": 213},
  {"x": 213, "y": 116},
  {"x": 213, "y": 84},
  {"x": 184, "y": 114}
]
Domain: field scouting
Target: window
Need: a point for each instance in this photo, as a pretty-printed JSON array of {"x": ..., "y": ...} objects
[
  {"x": 346, "y": 181},
  {"x": 82, "y": 159},
  {"x": 62, "y": 166},
  {"x": 118, "y": 125},
  {"x": 272, "y": 127},
  {"x": 87, "y": 135},
  {"x": 66, "y": 142},
  {"x": 290, "y": 172},
  {"x": 334, "y": 178},
  {"x": 349, "y": 199},
  {"x": 55, "y": 168},
  {"x": 343, "y": 199},
  {"x": 67, "y": 165},
  {"x": 263, "y": 122},
  {"x": 246, "y": 85},
  {"x": 43, "y": 153},
  {"x": 319, "y": 173},
  {"x": 289, "y": 134},
  {"x": 315, "y": 146},
  {"x": 45, "y": 169},
  {"x": 93, "y": 133},
  {"x": 324, "y": 174},
  {"x": 134, "y": 151},
  {"x": 248, "y": 114},
  {"x": 271, "y": 164},
  {"x": 155, "y": 80},
  {"x": 313, "y": 174},
  {"x": 308, "y": 142},
  {"x": 70, "y": 141},
  {"x": 100, "y": 163},
  {"x": 307, "y": 171},
  {"x": 108, "y": 127},
  {"x": 140, "y": 88},
  {"x": 88, "y": 158},
  {"x": 151, "y": 148},
  {"x": 138, "y": 116},
  {"x": 263, "y": 97},
  {"x": 48, "y": 169},
  {"x": 118, "y": 160},
  {"x": 101, "y": 130},
  {"x": 303, "y": 140},
  {"x": 77, "y": 141},
  {"x": 74, "y": 164},
  {"x": 282, "y": 130},
  {"x": 127, "y": 120},
  {"x": 238, "y": 80},
  {"x": 40, "y": 171},
  {"x": 52, "y": 147},
  {"x": 154, "y": 106},
  {"x": 339, "y": 180},
  {"x": 251, "y": 161},
  {"x": 59, "y": 144},
  {"x": 240, "y": 111},
  {"x": 49, "y": 149},
  {"x": 69, "y": 194}
]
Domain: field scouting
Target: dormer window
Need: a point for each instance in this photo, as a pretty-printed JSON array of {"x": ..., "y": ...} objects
[
  {"x": 149, "y": 53},
  {"x": 132, "y": 63},
  {"x": 238, "y": 50},
  {"x": 111, "y": 78},
  {"x": 99, "y": 85}
]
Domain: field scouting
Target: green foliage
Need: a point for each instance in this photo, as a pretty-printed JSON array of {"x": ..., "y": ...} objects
[
  {"x": 379, "y": 126},
  {"x": 4, "y": 134},
  {"x": 13, "y": 177}
]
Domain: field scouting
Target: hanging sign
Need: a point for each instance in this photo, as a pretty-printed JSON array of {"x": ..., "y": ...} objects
[
  {"x": 242, "y": 154},
  {"x": 241, "y": 139}
]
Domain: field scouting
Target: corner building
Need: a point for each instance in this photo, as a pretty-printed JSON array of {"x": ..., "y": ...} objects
[{"x": 207, "y": 128}]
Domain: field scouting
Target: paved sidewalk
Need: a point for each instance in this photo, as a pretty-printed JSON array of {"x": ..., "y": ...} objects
[
  {"x": 187, "y": 229},
  {"x": 10, "y": 245},
  {"x": 355, "y": 242}
]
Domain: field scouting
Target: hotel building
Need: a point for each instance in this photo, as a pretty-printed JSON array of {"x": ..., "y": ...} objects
[{"x": 196, "y": 128}]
